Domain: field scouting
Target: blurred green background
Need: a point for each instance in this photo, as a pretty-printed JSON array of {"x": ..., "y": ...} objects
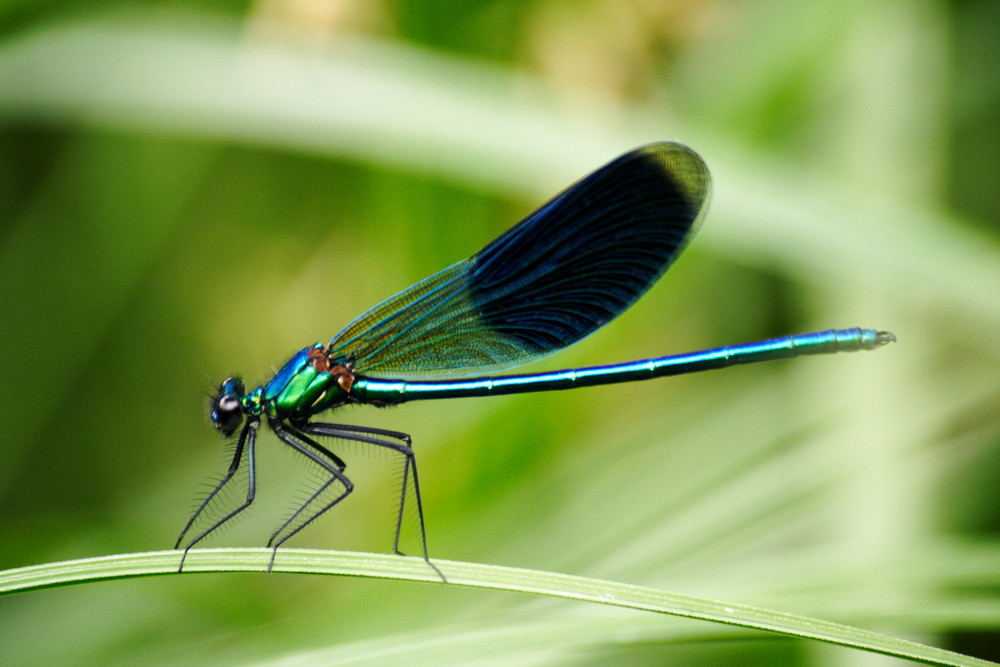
[{"x": 194, "y": 189}]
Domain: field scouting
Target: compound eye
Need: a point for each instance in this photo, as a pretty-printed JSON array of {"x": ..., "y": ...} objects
[
  {"x": 227, "y": 408},
  {"x": 232, "y": 387},
  {"x": 227, "y": 415}
]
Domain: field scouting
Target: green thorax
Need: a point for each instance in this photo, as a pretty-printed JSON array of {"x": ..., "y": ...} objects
[{"x": 307, "y": 384}]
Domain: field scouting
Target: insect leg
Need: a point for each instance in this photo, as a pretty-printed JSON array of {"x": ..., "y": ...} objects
[
  {"x": 247, "y": 439},
  {"x": 394, "y": 440},
  {"x": 323, "y": 457}
]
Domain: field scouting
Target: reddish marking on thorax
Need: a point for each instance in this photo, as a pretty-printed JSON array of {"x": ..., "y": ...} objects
[
  {"x": 345, "y": 377},
  {"x": 319, "y": 360}
]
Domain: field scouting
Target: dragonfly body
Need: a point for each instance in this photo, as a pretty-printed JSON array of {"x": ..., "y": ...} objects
[
  {"x": 391, "y": 392},
  {"x": 557, "y": 276}
]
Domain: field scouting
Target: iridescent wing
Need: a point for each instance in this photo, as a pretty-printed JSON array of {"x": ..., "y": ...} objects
[{"x": 566, "y": 270}]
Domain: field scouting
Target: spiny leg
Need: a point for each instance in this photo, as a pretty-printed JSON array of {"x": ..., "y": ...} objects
[
  {"x": 247, "y": 439},
  {"x": 394, "y": 440},
  {"x": 325, "y": 459}
]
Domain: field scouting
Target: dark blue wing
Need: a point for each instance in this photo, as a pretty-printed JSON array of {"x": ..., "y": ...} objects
[{"x": 558, "y": 275}]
